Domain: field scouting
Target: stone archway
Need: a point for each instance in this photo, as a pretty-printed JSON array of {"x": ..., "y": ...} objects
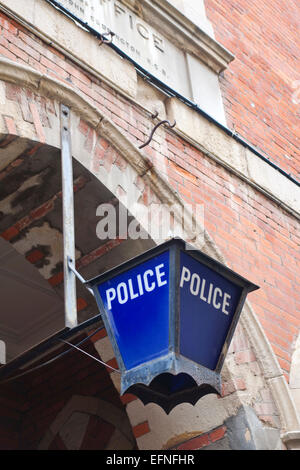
[
  {"x": 32, "y": 246},
  {"x": 89, "y": 423},
  {"x": 130, "y": 176}
]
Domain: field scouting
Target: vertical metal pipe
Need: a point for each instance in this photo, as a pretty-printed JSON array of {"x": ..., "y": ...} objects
[{"x": 68, "y": 219}]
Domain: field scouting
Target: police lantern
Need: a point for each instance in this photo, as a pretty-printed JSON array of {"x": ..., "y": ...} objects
[{"x": 170, "y": 314}]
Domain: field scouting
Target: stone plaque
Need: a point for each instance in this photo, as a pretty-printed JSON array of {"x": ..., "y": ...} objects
[{"x": 136, "y": 38}]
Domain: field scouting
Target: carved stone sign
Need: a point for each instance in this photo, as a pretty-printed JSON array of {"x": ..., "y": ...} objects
[{"x": 136, "y": 38}]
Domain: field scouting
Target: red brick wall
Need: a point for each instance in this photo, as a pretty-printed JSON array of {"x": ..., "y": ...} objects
[
  {"x": 259, "y": 239},
  {"x": 258, "y": 85}
]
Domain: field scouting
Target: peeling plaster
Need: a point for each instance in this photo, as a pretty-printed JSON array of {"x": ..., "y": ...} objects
[
  {"x": 7, "y": 205},
  {"x": 47, "y": 236}
]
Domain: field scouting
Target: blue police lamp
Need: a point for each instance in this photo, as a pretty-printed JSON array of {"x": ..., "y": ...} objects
[{"x": 170, "y": 314}]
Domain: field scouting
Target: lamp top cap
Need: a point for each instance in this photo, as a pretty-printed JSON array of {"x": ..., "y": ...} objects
[{"x": 181, "y": 245}]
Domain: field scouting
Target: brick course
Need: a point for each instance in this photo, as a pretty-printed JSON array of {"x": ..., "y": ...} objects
[{"x": 204, "y": 439}]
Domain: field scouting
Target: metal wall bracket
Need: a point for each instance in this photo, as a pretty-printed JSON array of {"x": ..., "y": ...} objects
[
  {"x": 81, "y": 279},
  {"x": 155, "y": 128}
]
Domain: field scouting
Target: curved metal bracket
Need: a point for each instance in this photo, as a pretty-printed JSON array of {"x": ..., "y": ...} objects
[
  {"x": 71, "y": 266},
  {"x": 154, "y": 129},
  {"x": 154, "y": 115}
]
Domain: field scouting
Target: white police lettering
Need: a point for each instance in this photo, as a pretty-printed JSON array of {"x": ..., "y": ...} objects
[
  {"x": 148, "y": 287},
  {"x": 136, "y": 286},
  {"x": 210, "y": 294}
]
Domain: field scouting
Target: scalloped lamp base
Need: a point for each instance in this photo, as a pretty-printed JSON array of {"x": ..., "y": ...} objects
[{"x": 168, "y": 390}]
